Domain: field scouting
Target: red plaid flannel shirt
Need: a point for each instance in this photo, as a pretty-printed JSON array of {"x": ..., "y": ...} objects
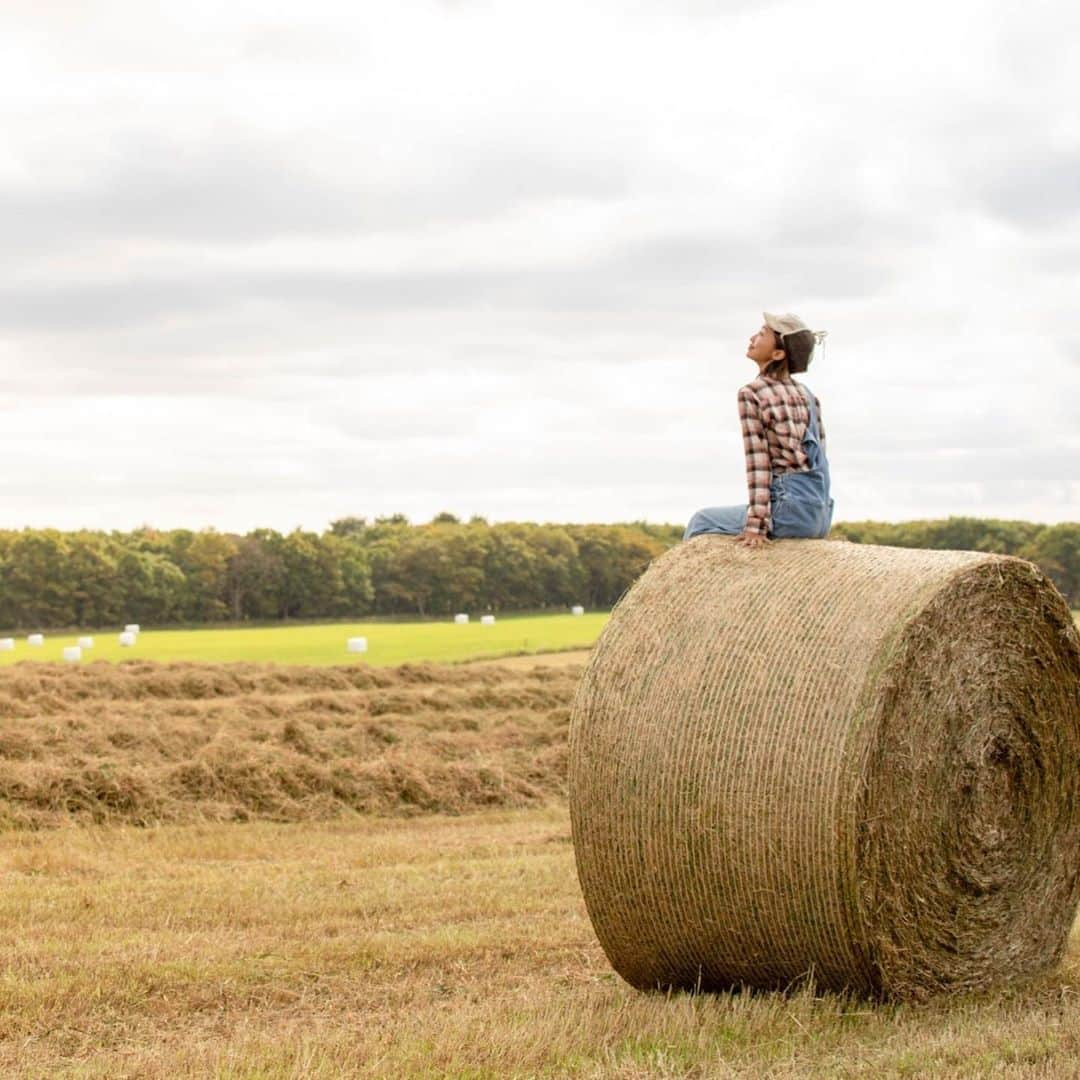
[{"x": 774, "y": 416}]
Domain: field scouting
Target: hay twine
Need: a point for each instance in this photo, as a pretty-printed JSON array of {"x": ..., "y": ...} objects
[{"x": 851, "y": 762}]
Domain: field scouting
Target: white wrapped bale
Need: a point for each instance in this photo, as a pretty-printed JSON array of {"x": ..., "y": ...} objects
[
  {"x": 72, "y": 654},
  {"x": 7, "y": 644},
  {"x": 357, "y": 644},
  {"x": 577, "y": 609},
  {"x": 461, "y": 619},
  {"x": 36, "y": 640},
  {"x": 127, "y": 639},
  {"x": 131, "y": 628},
  {"x": 86, "y": 643},
  {"x": 487, "y": 620}
]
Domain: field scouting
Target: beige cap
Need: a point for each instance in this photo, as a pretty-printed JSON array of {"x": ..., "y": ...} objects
[{"x": 790, "y": 324}]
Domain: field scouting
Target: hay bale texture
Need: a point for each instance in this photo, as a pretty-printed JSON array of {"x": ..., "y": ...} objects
[{"x": 856, "y": 762}]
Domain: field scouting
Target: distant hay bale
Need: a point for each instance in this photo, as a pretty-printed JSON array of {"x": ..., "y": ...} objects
[
  {"x": 127, "y": 639},
  {"x": 72, "y": 654},
  {"x": 356, "y": 645},
  {"x": 461, "y": 619},
  {"x": 855, "y": 762},
  {"x": 37, "y": 640},
  {"x": 577, "y": 609},
  {"x": 487, "y": 620},
  {"x": 86, "y": 643},
  {"x": 7, "y": 644},
  {"x": 131, "y": 628}
]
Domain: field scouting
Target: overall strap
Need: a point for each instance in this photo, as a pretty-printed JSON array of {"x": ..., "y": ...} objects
[{"x": 811, "y": 404}]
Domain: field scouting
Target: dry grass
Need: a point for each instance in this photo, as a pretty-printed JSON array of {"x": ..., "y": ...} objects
[
  {"x": 430, "y": 947},
  {"x": 854, "y": 758},
  {"x": 144, "y": 743}
]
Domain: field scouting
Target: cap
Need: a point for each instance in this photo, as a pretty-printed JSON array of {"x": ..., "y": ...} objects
[{"x": 790, "y": 324}]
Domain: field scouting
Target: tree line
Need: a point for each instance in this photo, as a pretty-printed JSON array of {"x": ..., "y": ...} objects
[
  {"x": 389, "y": 566},
  {"x": 355, "y": 568}
]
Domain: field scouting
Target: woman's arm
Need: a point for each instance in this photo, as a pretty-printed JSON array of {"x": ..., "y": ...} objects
[
  {"x": 758, "y": 470},
  {"x": 820, "y": 425}
]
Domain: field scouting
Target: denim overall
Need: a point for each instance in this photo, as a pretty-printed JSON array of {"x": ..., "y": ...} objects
[{"x": 800, "y": 501}]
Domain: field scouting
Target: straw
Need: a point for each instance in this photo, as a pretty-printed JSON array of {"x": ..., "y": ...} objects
[{"x": 859, "y": 763}]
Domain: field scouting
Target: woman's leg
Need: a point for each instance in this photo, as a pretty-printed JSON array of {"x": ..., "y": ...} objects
[{"x": 729, "y": 520}]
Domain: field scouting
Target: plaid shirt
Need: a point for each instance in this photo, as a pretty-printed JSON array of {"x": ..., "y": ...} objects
[{"x": 774, "y": 418}]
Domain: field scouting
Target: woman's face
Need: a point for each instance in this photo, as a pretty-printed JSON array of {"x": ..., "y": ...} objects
[{"x": 764, "y": 347}]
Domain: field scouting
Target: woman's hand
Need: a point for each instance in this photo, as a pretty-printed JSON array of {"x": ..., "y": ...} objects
[{"x": 752, "y": 540}]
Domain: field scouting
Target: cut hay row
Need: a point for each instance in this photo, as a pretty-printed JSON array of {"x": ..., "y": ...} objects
[{"x": 144, "y": 743}]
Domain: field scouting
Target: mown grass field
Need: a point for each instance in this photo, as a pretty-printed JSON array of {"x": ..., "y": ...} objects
[
  {"x": 389, "y": 643},
  {"x": 455, "y": 947},
  {"x": 256, "y": 871}
]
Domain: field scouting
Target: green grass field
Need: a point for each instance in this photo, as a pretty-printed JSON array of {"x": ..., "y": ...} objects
[
  {"x": 324, "y": 644},
  {"x": 388, "y": 642}
]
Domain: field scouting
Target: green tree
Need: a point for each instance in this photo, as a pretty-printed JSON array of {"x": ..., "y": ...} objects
[
  {"x": 34, "y": 583},
  {"x": 417, "y": 569},
  {"x": 613, "y": 557},
  {"x": 512, "y": 572},
  {"x": 90, "y": 576},
  {"x": 151, "y": 587},
  {"x": 462, "y": 586},
  {"x": 205, "y": 562},
  {"x": 1056, "y": 549},
  {"x": 349, "y": 527},
  {"x": 381, "y": 541},
  {"x": 356, "y": 594},
  {"x": 255, "y": 575},
  {"x": 310, "y": 582}
]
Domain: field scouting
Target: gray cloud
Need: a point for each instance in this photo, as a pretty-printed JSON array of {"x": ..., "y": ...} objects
[
  {"x": 237, "y": 190},
  {"x": 676, "y": 269}
]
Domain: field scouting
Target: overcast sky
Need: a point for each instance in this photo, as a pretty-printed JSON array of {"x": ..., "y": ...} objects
[{"x": 275, "y": 264}]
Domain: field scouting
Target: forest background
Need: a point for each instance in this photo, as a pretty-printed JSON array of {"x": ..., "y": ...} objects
[{"x": 391, "y": 567}]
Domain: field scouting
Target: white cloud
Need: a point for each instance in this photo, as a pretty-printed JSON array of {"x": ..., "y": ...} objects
[{"x": 267, "y": 267}]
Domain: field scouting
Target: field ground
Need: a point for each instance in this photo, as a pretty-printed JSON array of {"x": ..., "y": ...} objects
[
  {"x": 389, "y": 643},
  {"x": 432, "y": 947},
  {"x": 262, "y": 871}
]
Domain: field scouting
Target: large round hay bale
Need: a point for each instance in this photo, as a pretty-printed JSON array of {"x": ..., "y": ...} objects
[{"x": 859, "y": 763}]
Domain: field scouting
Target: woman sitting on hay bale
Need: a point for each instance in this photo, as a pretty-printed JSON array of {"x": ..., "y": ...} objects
[{"x": 786, "y": 468}]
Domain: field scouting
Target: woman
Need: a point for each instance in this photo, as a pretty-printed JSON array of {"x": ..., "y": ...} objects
[{"x": 786, "y": 469}]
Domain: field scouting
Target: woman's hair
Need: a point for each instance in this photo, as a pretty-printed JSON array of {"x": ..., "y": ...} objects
[{"x": 798, "y": 349}]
